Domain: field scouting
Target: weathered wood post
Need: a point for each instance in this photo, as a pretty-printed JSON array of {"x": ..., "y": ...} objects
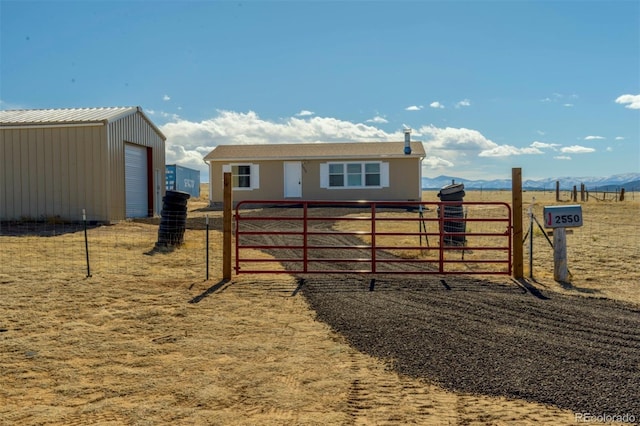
[
  {"x": 516, "y": 211},
  {"x": 575, "y": 194},
  {"x": 557, "y": 190},
  {"x": 226, "y": 227},
  {"x": 582, "y": 197},
  {"x": 560, "y": 268}
]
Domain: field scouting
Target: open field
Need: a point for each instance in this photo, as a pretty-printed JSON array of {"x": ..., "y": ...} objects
[{"x": 146, "y": 340}]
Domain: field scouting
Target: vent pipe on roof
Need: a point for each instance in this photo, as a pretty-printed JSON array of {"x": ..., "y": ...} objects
[{"x": 407, "y": 141}]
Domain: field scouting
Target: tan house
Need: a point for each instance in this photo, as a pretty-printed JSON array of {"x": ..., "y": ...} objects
[
  {"x": 318, "y": 171},
  {"x": 56, "y": 162}
]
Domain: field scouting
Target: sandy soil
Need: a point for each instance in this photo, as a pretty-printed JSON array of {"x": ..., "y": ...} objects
[{"x": 146, "y": 340}]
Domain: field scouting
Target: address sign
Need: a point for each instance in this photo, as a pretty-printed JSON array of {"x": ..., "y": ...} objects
[{"x": 562, "y": 216}]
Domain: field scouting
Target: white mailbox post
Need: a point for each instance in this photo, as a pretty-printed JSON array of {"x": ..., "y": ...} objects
[{"x": 559, "y": 218}]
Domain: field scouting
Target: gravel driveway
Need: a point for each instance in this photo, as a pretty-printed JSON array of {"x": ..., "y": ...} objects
[{"x": 492, "y": 338}]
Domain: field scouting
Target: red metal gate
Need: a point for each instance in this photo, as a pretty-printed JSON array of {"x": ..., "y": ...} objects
[{"x": 373, "y": 237}]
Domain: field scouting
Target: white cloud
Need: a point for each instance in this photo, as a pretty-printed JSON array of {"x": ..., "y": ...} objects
[
  {"x": 377, "y": 119},
  {"x": 562, "y": 157},
  {"x": 188, "y": 142},
  {"x": 304, "y": 113},
  {"x": 544, "y": 145},
  {"x": 508, "y": 151},
  {"x": 463, "y": 103},
  {"x": 592, "y": 138},
  {"x": 619, "y": 138},
  {"x": 436, "y": 104},
  {"x": 632, "y": 101},
  {"x": 557, "y": 97},
  {"x": 433, "y": 162},
  {"x": 455, "y": 139},
  {"x": 609, "y": 149},
  {"x": 166, "y": 98},
  {"x": 458, "y": 144},
  {"x": 7, "y": 105},
  {"x": 414, "y": 108},
  {"x": 553, "y": 98},
  {"x": 576, "y": 149}
]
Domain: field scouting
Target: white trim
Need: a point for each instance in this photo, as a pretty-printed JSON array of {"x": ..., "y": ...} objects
[
  {"x": 384, "y": 174},
  {"x": 254, "y": 178}
]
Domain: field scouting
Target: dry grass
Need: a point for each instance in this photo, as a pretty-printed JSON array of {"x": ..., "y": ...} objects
[{"x": 126, "y": 346}]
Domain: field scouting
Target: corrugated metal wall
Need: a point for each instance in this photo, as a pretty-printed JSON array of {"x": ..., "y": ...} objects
[
  {"x": 50, "y": 171},
  {"x": 132, "y": 129}
]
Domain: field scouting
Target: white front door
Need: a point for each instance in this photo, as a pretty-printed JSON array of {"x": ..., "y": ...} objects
[{"x": 292, "y": 179}]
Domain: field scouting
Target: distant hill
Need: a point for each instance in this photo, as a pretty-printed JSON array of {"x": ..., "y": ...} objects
[{"x": 628, "y": 181}]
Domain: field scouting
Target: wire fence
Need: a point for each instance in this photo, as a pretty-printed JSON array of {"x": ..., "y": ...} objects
[
  {"x": 59, "y": 252},
  {"x": 605, "y": 249}
]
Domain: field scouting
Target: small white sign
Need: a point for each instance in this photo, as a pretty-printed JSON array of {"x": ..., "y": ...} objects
[{"x": 562, "y": 216}]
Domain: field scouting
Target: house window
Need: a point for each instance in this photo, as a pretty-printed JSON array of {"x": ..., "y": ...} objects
[
  {"x": 241, "y": 175},
  {"x": 355, "y": 175},
  {"x": 372, "y": 174},
  {"x": 336, "y": 174}
]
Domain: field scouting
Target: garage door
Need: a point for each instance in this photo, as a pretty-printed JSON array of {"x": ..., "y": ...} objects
[{"x": 136, "y": 184}]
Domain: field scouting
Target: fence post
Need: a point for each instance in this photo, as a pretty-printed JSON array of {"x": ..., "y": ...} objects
[
  {"x": 557, "y": 190},
  {"x": 207, "y": 245},
  {"x": 226, "y": 228},
  {"x": 560, "y": 269},
  {"x": 86, "y": 241},
  {"x": 516, "y": 201}
]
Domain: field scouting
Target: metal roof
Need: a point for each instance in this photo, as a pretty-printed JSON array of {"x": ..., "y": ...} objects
[
  {"x": 64, "y": 116},
  {"x": 22, "y": 118},
  {"x": 314, "y": 150}
]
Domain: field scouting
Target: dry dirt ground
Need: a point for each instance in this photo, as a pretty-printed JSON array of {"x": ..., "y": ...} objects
[{"x": 153, "y": 343}]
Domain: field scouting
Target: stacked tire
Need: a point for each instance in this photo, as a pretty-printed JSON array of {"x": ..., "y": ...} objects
[{"x": 173, "y": 221}]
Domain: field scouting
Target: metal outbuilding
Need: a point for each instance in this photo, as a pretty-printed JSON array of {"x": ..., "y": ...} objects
[{"x": 56, "y": 162}]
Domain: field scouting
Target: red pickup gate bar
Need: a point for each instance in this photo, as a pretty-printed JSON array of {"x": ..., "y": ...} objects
[{"x": 373, "y": 237}]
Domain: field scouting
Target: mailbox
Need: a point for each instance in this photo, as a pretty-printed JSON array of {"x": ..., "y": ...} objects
[{"x": 562, "y": 216}]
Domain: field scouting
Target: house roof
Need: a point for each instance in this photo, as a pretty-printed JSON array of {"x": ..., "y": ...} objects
[
  {"x": 68, "y": 117},
  {"x": 307, "y": 151}
]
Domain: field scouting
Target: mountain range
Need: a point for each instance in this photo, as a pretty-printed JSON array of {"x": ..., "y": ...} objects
[{"x": 628, "y": 181}]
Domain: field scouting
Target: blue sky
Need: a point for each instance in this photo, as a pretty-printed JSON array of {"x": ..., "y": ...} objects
[{"x": 552, "y": 87}]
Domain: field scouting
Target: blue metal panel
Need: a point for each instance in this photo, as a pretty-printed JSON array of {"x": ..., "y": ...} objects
[
  {"x": 170, "y": 177},
  {"x": 181, "y": 178}
]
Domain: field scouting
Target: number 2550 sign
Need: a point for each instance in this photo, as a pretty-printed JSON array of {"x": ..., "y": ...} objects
[{"x": 562, "y": 216}]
